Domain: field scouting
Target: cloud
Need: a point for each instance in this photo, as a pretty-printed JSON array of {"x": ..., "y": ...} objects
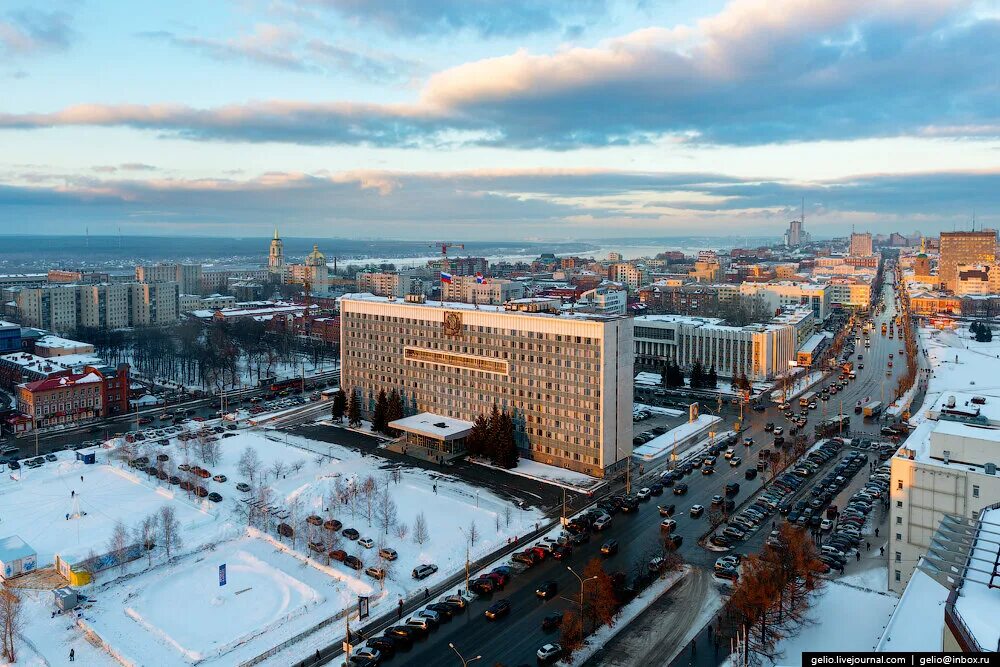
[
  {"x": 758, "y": 72},
  {"x": 486, "y": 18},
  {"x": 125, "y": 166},
  {"x": 566, "y": 203},
  {"x": 31, "y": 31},
  {"x": 286, "y": 48}
]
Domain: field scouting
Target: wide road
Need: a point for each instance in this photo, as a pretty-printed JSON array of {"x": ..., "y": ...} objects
[{"x": 514, "y": 639}]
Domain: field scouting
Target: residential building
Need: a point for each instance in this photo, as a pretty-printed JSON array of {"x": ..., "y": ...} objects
[
  {"x": 49, "y": 307},
  {"x": 603, "y": 300},
  {"x": 796, "y": 235},
  {"x": 258, "y": 310},
  {"x": 461, "y": 266},
  {"x": 26, "y": 367},
  {"x": 70, "y": 276},
  {"x": 947, "y": 466},
  {"x": 679, "y": 298},
  {"x": 314, "y": 272},
  {"x": 23, "y": 280},
  {"x": 631, "y": 275},
  {"x": 226, "y": 280},
  {"x": 153, "y": 304},
  {"x": 977, "y": 279},
  {"x": 762, "y": 351},
  {"x": 787, "y": 293},
  {"x": 103, "y": 306},
  {"x": 959, "y": 248},
  {"x": 851, "y": 292},
  {"x": 98, "y": 391},
  {"x": 55, "y": 346},
  {"x": 480, "y": 289},
  {"x": 861, "y": 245},
  {"x": 565, "y": 379},
  {"x": 190, "y": 302},
  {"x": 187, "y": 276}
]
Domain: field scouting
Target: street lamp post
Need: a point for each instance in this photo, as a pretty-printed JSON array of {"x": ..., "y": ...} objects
[
  {"x": 582, "y": 584},
  {"x": 465, "y": 663}
]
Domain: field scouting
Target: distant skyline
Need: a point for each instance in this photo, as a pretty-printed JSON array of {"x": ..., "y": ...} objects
[{"x": 521, "y": 119}]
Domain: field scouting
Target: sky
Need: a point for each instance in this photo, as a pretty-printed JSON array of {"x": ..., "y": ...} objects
[{"x": 515, "y": 119}]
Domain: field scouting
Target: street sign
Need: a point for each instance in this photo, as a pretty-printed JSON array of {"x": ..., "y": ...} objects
[{"x": 222, "y": 574}]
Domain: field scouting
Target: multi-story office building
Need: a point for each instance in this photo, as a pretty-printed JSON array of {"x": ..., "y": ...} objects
[
  {"x": 187, "y": 276},
  {"x": 946, "y": 466},
  {"x": 10, "y": 337},
  {"x": 762, "y": 351},
  {"x": 380, "y": 284},
  {"x": 565, "y": 379},
  {"x": 861, "y": 245},
  {"x": 603, "y": 300},
  {"x": 959, "y": 248}
]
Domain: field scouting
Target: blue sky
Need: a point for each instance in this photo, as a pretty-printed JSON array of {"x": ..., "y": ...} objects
[{"x": 542, "y": 119}]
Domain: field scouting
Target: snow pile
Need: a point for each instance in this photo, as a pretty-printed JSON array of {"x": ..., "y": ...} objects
[
  {"x": 798, "y": 387},
  {"x": 568, "y": 479}
]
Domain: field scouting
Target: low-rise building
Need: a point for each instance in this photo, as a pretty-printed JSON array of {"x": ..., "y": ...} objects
[
  {"x": 191, "y": 302},
  {"x": 50, "y": 345},
  {"x": 73, "y": 397}
]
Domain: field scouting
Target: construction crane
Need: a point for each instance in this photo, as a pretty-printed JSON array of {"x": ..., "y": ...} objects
[{"x": 445, "y": 245}]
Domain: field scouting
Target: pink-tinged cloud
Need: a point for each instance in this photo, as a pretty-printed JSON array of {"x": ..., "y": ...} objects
[{"x": 757, "y": 72}]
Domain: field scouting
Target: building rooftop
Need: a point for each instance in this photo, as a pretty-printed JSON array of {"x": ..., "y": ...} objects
[
  {"x": 31, "y": 362},
  {"x": 433, "y": 426},
  {"x": 813, "y": 344},
  {"x": 13, "y": 548},
  {"x": 458, "y": 305},
  {"x": 978, "y": 602},
  {"x": 49, "y": 384},
  {"x": 53, "y": 341}
]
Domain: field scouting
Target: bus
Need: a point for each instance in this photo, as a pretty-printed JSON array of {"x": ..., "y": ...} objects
[
  {"x": 290, "y": 383},
  {"x": 807, "y": 398}
]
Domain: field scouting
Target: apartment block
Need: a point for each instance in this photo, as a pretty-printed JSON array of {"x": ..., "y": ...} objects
[{"x": 187, "y": 276}]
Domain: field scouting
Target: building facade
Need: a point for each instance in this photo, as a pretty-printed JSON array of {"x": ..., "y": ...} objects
[
  {"x": 959, "y": 248},
  {"x": 861, "y": 245},
  {"x": 762, "y": 351},
  {"x": 566, "y": 380},
  {"x": 785, "y": 293},
  {"x": 276, "y": 256},
  {"x": 187, "y": 276}
]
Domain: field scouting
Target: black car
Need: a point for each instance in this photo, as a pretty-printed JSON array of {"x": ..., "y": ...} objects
[
  {"x": 387, "y": 646},
  {"x": 401, "y": 634},
  {"x": 498, "y": 609},
  {"x": 350, "y": 534},
  {"x": 666, "y": 510},
  {"x": 680, "y": 489},
  {"x": 732, "y": 488},
  {"x": 444, "y": 611},
  {"x": 552, "y": 622},
  {"x": 673, "y": 541},
  {"x": 751, "y": 473},
  {"x": 609, "y": 548},
  {"x": 13, "y": 465},
  {"x": 562, "y": 552},
  {"x": 353, "y": 562},
  {"x": 656, "y": 489},
  {"x": 547, "y": 590}
]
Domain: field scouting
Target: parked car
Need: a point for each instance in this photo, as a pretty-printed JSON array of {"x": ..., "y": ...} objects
[
  {"x": 375, "y": 572},
  {"x": 424, "y": 571},
  {"x": 388, "y": 554},
  {"x": 350, "y": 533},
  {"x": 548, "y": 653},
  {"x": 366, "y": 542},
  {"x": 215, "y": 497}
]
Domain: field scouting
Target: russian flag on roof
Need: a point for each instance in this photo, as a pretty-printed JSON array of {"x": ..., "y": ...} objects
[
  {"x": 445, "y": 277},
  {"x": 480, "y": 279}
]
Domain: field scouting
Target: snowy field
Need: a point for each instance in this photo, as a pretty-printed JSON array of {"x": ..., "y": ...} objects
[
  {"x": 35, "y": 507},
  {"x": 268, "y": 589},
  {"x": 842, "y": 619},
  {"x": 275, "y": 589}
]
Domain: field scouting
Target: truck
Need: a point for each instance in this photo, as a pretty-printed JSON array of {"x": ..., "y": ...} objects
[
  {"x": 807, "y": 398},
  {"x": 836, "y": 425},
  {"x": 883, "y": 328},
  {"x": 872, "y": 410},
  {"x": 847, "y": 366}
]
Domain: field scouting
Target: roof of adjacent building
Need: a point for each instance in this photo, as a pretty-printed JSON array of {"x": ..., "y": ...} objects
[
  {"x": 31, "y": 362},
  {"x": 14, "y": 548},
  {"x": 458, "y": 305},
  {"x": 433, "y": 426},
  {"x": 51, "y": 340},
  {"x": 978, "y": 602},
  {"x": 62, "y": 382}
]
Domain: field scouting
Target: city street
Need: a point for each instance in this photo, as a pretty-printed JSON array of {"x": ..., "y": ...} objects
[{"x": 513, "y": 640}]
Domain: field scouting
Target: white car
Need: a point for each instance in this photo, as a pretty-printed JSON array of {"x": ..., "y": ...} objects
[
  {"x": 602, "y": 522},
  {"x": 826, "y": 524},
  {"x": 549, "y": 652},
  {"x": 729, "y": 453},
  {"x": 778, "y": 430},
  {"x": 366, "y": 542},
  {"x": 370, "y": 653},
  {"x": 644, "y": 493}
]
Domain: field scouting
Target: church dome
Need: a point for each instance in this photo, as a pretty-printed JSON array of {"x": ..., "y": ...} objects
[{"x": 315, "y": 258}]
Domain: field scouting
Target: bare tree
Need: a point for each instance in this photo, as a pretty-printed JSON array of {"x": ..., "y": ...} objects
[
  {"x": 249, "y": 464},
  {"x": 472, "y": 534},
  {"x": 369, "y": 489},
  {"x": 402, "y": 530},
  {"x": 117, "y": 546},
  {"x": 385, "y": 510},
  {"x": 146, "y": 534},
  {"x": 421, "y": 533},
  {"x": 170, "y": 531},
  {"x": 278, "y": 468},
  {"x": 508, "y": 513},
  {"x": 353, "y": 500},
  {"x": 10, "y": 622}
]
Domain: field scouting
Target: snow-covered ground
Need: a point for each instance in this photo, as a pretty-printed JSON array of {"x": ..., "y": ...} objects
[
  {"x": 842, "y": 619},
  {"x": 35, "y": 507},
  {"x": 273, "y": 591},
  {"x": 657, "y": 410},
  {"x": 725, "y": 387},
  {"x": 799, "y": 386},
  {"x": 568, "y": 479},
  {"x": 268, "y": 590}
]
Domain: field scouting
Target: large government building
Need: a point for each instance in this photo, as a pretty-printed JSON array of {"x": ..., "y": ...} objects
[{"x": 566, "y": 379}]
